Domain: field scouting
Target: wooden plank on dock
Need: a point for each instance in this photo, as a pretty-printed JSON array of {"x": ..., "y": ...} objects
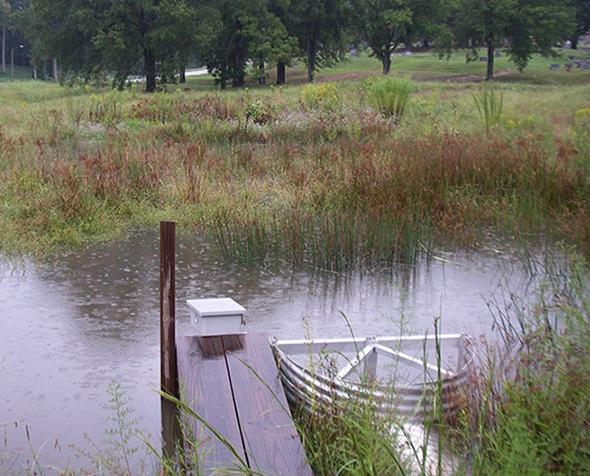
[
  {"x": 205, "y": 387},
  {"x": 270, "y": 437},
  {"x": 233, "y": 383}
]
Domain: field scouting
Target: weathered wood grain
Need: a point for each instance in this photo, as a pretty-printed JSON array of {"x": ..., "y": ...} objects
[
  {"x": 168, "y": 354},
  {"x": 270, "y": 438},
  {"x": 205, "y": 387}
]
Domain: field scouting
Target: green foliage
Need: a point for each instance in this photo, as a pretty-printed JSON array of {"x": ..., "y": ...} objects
[
  {"x": 322, "y": 96},
  {"x": 582, "y": 20},
  {"x": 105, "y": 109},
  {"x": 352, "y": 439},
  {"x": 114, "y": 39},
  {"x": 259, "y": 112},
  {"x": 389, "y": 95},
  {"x": 5, "y": 10},
  {"x": 245, "y": 30},
  {"x": 319, "y": 26},
  {"x": 532, "y": 409},
  {"x": 526, "y": 27},
  {"x": 490, "y": 104},
  {"x": 384, "y": 25}
]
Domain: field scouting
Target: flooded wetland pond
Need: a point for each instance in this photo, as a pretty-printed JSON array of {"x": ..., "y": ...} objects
[{"x": 78, "y": 321}]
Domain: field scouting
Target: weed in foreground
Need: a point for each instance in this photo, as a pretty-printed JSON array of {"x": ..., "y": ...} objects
[{"x": 528, "y": 410}]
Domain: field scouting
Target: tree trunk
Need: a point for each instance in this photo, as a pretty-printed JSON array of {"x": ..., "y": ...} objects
[
  {"x": 4, "y": 49},
  {"x": 149, "y": 69},
  {"x": 261, "y": 72},
  {"x": 182, "y": 74},
  {"x": 281, "y": 73},
  {"x": 55, "y": 70},
  {"x": 386, "y": 61},
  {"x": 238, "y": 79},
  {"x": 490, "y": 62},
  {"x": 574, "y": 43},
  {"x": 311, "y": 46},
  {"x": 237, "y": 72}
]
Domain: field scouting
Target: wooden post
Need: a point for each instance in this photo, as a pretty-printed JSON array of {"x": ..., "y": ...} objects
[{"x": 168, "y": 360}]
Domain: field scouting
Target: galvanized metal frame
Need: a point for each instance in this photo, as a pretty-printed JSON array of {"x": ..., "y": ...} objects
[{"x": 312, "y": 391}]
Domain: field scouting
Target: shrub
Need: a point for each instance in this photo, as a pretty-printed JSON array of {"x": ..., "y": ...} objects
[
  {"x": 320, "y": 96},
  {"x": 259, "y": 112},
  {"x": 489, "y": 105},
  {"x": 389, "y": 95}
]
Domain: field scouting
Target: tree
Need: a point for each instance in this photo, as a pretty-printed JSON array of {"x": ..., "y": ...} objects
[
  {"x": 384, "y": 25},
  {"x": 432, "y": 23},
  {"x": 280, "y": 8},
  {"x": 110, "y": 37},
  {"x": 524, "y": 27},
  {"x": 5, "y": 10},
  {"x": 226, "y": 50},
  {"x": 268, "y": 43},
  {"x": 150, "y": 31},
  {"x": 57, "y": 31},
  {"x": 247, "y": 31},
  {"x": 582, "y": 21},
  {"x": 319, "y": 26}
]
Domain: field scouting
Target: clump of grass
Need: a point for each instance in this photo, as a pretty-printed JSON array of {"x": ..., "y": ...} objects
[
  {"x": 333, "y": 241},
  {"x": 351, "y": 439},
  {"x": 389, "y": 95},
  {"x": 490, "y": 105}
]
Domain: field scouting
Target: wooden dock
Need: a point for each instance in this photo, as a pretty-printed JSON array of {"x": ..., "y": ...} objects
[{"x": 233, "y": 383}]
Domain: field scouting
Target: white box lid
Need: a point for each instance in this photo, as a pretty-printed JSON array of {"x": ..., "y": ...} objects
[{"x": 216, "y": 307}]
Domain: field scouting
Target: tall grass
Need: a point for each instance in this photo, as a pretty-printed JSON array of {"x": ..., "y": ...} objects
[
  {"x": 490, "y": 105},
  {"x": 340, "y": 205},
  {"x": 389, "y": 95},
  {"x": 336, "y": 188},
  {"x": 528, "y": 408},
  {"x": 352, "y": 439}
]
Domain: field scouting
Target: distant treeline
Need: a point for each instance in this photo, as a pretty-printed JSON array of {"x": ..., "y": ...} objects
[{"x": 113, "y": 39}]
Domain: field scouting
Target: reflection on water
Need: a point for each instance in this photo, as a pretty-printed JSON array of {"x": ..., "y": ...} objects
[{"x": 74, "y": 323}]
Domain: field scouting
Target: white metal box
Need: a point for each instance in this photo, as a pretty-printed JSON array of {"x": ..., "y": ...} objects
[{"x": 217, "y": 316}]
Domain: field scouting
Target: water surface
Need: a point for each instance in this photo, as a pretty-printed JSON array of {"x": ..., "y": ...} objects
[{"x": 81, "y": 319}]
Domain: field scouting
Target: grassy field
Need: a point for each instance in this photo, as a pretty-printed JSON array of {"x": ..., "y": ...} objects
[{"x": 268, "y": 172}]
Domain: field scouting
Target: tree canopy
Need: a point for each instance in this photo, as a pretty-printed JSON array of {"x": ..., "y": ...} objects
[
  {"x": 113, "y": 39},
  {"x": 523, "y": 27}
]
